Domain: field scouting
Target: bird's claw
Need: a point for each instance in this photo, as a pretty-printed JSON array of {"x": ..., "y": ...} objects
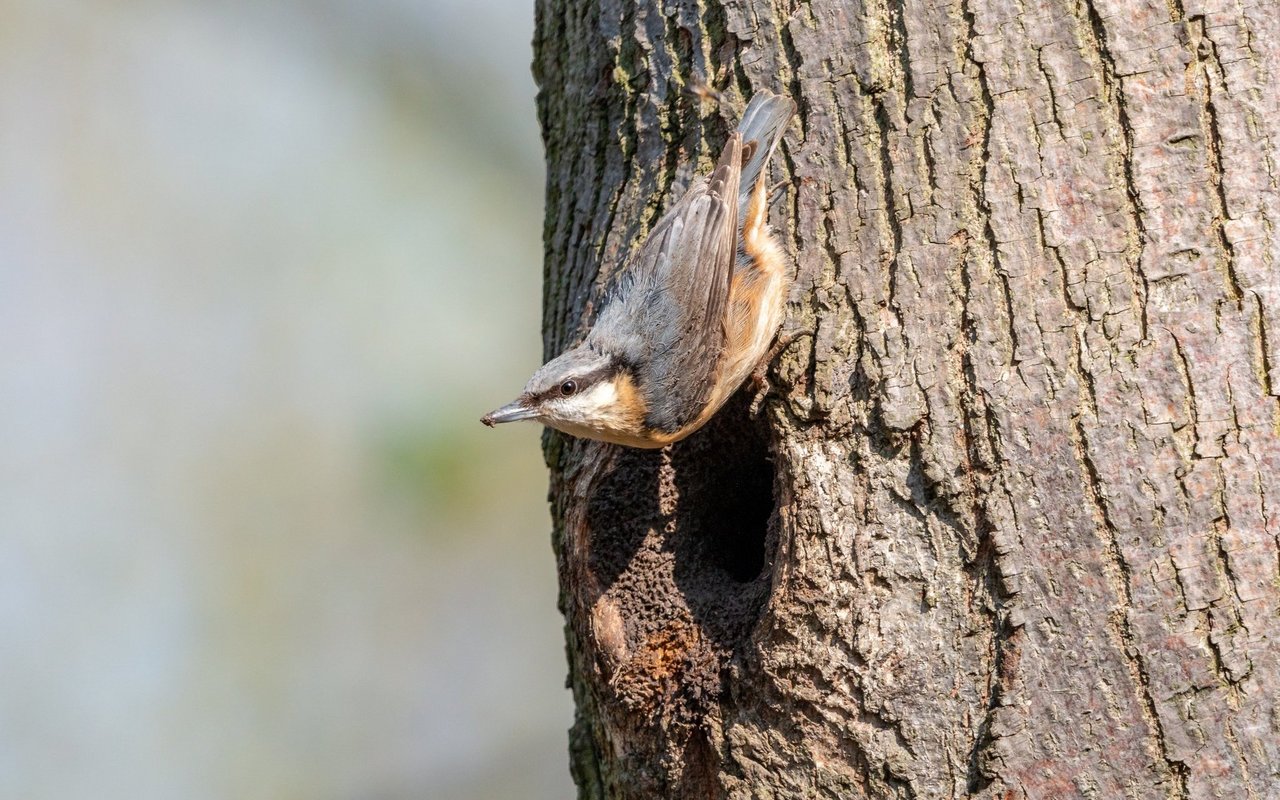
[
  {"x": 760, "y": 382},
  {"x": 777, "y": 193},
  {"x": 760, "y": 375}
]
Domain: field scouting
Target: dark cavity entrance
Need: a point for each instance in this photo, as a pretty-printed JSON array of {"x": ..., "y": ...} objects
[
  {"x": 725, "y": 480},
  {"x": 694, "y": 529}
]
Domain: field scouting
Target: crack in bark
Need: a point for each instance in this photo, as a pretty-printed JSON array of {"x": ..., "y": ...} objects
[
  {"x": 987, "y": 569},
  {"x": 884, "y": 127},
  {"x": 626, "y": 70},
  {"x": 678, "y": 44},
  {"x": 1113, "y": 94},
  {"x": 792, "y": 60},
  {"x": 1210, "y": 71},
  {"x": 977, "y": 778},
  {"x": 981, "y": 200},
  {"x": 1193, "y": 413},
  {"x": 898, "y": 45},
  {"x": 1053, "y": 95},
  {"x": 1234, "y": 742},
  {"x": 1266, "y": 367},
  {"x": 1122, "y": 584}
]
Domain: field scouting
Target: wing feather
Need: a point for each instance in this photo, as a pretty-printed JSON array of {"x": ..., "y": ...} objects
[{"x": 677, "y": 296}]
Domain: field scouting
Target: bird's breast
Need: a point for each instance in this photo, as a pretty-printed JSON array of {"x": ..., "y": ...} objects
[{"x": 757, "y": 303}]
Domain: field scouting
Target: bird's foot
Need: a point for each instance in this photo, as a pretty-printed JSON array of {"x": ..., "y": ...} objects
[
  {"x": 777, "y": 193},
  {"x": 760, "y": 375},
  {"x": 760, "y": 387}
]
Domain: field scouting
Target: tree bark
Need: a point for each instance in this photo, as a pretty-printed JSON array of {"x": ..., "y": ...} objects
[{"x": 1008, "y": 526}]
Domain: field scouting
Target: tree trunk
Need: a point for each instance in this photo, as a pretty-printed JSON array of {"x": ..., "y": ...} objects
[{"x": 1008, "y": 525}]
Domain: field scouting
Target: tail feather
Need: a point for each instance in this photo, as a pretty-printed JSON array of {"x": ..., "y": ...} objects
[{"x": 762, "y": 126}]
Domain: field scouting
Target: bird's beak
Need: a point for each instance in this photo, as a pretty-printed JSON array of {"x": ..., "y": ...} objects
[{"x": 511, "y": 412}]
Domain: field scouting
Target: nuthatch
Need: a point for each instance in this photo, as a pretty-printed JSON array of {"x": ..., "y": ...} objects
[{"x": 689, "y": 318}]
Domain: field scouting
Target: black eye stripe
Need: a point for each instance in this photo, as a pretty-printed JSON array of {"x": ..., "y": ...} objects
[
  {"x": 581, "y": 382},
  {"x": 595, "y": 375}
]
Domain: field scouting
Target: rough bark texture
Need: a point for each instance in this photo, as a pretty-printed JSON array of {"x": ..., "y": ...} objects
[{"x": 1009, "y": 526}]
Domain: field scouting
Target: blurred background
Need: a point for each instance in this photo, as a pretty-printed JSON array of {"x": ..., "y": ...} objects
[{"x": 262, "y": 267}]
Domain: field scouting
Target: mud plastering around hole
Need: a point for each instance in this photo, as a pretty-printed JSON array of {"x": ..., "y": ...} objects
[
  {"x": 688, "y": 531},
  {"x": 679, "y": 551}
]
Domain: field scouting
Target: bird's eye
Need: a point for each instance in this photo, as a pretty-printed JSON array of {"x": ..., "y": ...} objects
[{"x": 568, "y": 387}]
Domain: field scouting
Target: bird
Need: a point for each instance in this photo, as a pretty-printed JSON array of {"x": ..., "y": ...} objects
[{"x": 690, "y": 316}]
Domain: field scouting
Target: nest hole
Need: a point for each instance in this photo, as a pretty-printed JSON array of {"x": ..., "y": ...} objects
[
  {"x": 679, "y": 554},
  {"x": 689, "y": 533},
  {"x": 724, "y": 479}
]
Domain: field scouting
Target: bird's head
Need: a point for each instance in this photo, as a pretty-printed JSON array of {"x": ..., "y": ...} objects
[{"x": 584, "y": 392}]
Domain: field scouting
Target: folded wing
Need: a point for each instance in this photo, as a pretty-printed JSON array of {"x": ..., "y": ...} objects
[{"x": 676, "y": 295}]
